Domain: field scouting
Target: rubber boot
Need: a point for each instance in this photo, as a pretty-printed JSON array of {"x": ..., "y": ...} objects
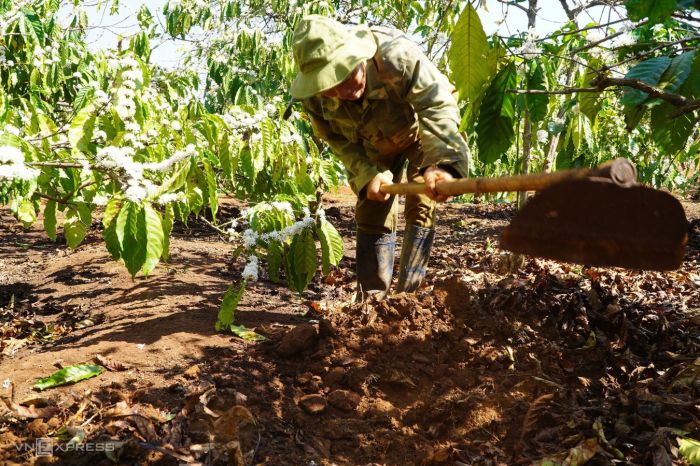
[
  {"x": 374, "y": 264},
  {"x": 415, "y": 253}
]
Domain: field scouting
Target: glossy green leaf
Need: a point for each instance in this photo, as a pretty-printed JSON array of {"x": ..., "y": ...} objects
[
  {"x": 690, "y": 450},
  {"x": 82, "y": 127},
  {"x": 154, "y": 239},
  {"x": 227, "y": 311},
  {"x": 131, "y": 232},
  {"x": 303, "y": 255},
  {"x": 495, "y": 128},
  {"x": 275, "y": 255},
  {"x": 176, "y": 181},
  {"x": 649, "y": 71},
  {"x": 68, "y": 375},
  {"x": 109, "y": 232},
  {"x": 678, "y": 71},
  {"x": 26, "y": 213},
  {"x": 211, "y": 188},
  {"x": 537, "y": 103},
  {"x": 168, "y": 222},
  {"x": 76, "y": 225},
  {"x": 331, "y": 245},
  {"x": 50, "y": 219},
  {"x": 469, "y": 56},
  {"x": 656, "y": 10}
]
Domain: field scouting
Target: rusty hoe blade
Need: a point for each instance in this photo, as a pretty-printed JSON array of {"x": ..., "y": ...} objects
[{"x": 600, "y": 223}]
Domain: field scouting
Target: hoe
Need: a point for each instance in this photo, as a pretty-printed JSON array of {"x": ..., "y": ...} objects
[{"x": 597, "y": 217}]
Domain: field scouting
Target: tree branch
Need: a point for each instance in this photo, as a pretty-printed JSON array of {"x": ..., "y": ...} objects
[{"x": 602, "y": 82}]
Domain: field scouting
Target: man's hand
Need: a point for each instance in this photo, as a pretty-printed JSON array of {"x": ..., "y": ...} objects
[
  {"x": 372, "y": 190},
  {"x": 432, "y": 176}
]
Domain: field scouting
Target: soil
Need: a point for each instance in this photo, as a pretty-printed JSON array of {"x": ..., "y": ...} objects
[{"x": 497, "y": 359}]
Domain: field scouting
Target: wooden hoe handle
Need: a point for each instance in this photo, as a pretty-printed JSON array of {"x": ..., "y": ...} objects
[{"x": 620, "y": 171}]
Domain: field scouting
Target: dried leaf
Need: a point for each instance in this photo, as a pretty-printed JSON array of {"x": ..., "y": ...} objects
[
  {"x": 32, "y": 411},
  {"x": 241, "y": 331},
  {"x": 227, "y": 426},
  {"x": 110, "y": 364}
]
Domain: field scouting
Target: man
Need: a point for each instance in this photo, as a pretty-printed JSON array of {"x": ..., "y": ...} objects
[{"x": 380, "y": 103}]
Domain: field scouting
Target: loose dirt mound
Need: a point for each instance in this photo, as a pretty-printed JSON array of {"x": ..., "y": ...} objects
[{"x": 498, "y": 359}]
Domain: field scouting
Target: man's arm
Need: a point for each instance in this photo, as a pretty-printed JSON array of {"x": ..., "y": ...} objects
[{"x": 430, "y": 94}]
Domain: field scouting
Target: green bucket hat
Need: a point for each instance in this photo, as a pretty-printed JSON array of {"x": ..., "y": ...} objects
[{"x": 326, "y": 52}]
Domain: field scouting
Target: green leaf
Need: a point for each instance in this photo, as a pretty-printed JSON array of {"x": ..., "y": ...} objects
[
  {"x": 154, "y": 239},
  {"x": 82, "y": 127},
  {"x": 76, "y": 225},
  {"x": 656, "y": 10},
  {"x": 67, "y": 375},
  {"x": 649, "y": 72},
  {"x": 496, "y": 118},
  {"x": 50, "y": 219},
  {"x": 225, "y": 318},
  {"x": 168, "y": 221},
  {"x": 131, "y": 232},
  {"x": 26, "y": 213},
  {"x": 677, "y": 72},
  {"x": 690, "y": 450},
  {"x": 590, "y": 103},
  {"x": 303, "y": 255},
  {"x": 211, "y": 189},
  {"x": 537, "y": 103},
  {"x": 176, "y": 181},
  {"x": 275, "y": 254},
  {"x": 245, "y": 333},
  {"x": 469, "y": 56},
  {"x": 670, "y": 134},
  {"x": 331, "y": 245},
  {"x": 109, "y": 232},
  {"x": 35, "y": 29}
]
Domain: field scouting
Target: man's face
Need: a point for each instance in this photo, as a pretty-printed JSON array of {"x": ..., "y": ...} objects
[{"x": 352, "y": 88}]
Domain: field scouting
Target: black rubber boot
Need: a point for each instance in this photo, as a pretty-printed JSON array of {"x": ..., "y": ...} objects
[
  {"x": 415, "y": 253},
  {"x": 374, "y": 264}
]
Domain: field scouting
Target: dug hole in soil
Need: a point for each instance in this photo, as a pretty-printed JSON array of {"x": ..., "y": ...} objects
[{"x": 496, "y": 360}]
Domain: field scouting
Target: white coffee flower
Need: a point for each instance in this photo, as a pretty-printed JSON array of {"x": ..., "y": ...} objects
[
  {"x": 250, "y": 273},
  {"x": 250, "y": 238},
  {"x": 12, "y": 155},
  {"x": 136, "y": 193},
  {"x": 542, "y": 136},
  {"x": 12, "y": 130}
]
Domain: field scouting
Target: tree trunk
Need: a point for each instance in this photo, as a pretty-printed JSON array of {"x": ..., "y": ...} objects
[
  {"x": 554, "y": 142},
  {"x": 527, "y": 126}
]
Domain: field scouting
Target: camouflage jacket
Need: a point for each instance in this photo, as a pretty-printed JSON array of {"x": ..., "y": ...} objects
[{"x": 407, "y": 99}]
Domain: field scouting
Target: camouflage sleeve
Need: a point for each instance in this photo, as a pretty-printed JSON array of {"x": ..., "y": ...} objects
[
  {"x": 430, "y": 94},
  {"x": 353, "y": 156}
]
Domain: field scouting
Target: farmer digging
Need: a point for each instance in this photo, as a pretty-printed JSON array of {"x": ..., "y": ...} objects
[{"x": 380, "y": 104}]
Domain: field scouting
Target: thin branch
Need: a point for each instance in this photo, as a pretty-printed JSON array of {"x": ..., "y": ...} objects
[
  {"x": 688, "y": 108},
  {"x": 568, "y": 90},
  {"x": 54, "y": 165},
  {"x": 603, "y": 81},
  {"x": 225, "y": 233},
  {"x": 576, "y": 31},
  {"x": 516, "y": 5}
]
